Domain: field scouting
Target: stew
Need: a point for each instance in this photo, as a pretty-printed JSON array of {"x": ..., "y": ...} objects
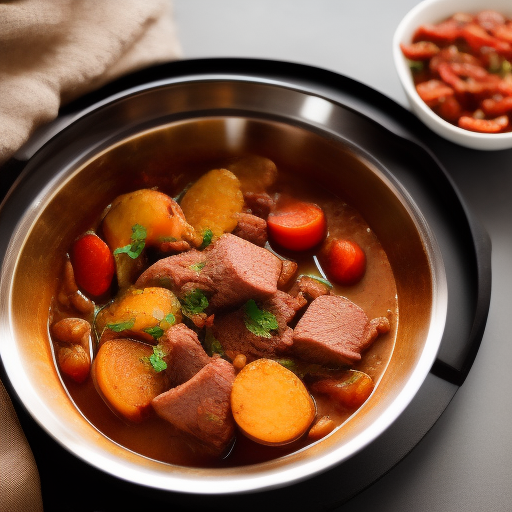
[{"x": 226, "y": 321}]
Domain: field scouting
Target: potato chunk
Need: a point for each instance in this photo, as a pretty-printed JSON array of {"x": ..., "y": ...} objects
[
  {"x": 144, "y": 314},
  {"x": 256, "y": 173},
  {"x": 213, "y": 202},
  {"x": 270, "y": 403}
]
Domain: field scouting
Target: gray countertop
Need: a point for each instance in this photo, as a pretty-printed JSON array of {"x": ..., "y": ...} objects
[{"x": 465, "y": 461}]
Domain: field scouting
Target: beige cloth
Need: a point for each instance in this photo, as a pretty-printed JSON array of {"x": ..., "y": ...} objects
[{"x": 53, "y": 51}]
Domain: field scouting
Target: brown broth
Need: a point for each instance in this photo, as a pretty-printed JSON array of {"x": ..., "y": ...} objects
[{"x": 376, "y": 293}]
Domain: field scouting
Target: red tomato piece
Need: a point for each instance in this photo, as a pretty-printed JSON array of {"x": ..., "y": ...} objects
[
  {"x": 503, "y": 32},
  {"x": 443, "y": 33},
  {"x": 344, "y": 262},
  {"x": 297, "y": 226},
  {"x": 422, "y": 50},
  {"x": 432, "y": 91},
  {"x": 489, "y": 19},
  {"x": 477, "y": 38},
  {"x": 494, "y": 108},
  {"x": 450, "y": 109},
  {"x": 93, "y": 264},
  {"x": 484, "y": 125}
]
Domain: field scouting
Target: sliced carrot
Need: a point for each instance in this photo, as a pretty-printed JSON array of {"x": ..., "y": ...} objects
[
  {"x": 350, "y": 390},
  {"x": 297, "y": 226},
  {"x": 321, "y": 428},
  {"x": 124, "y": 376},
  {"x": 270, "y": 404},
  {"x": 93, "y": 264},
  {"x": 344, "y": 262}
]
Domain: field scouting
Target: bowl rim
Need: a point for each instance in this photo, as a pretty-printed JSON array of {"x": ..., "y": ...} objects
[{"x": 437, "y": 10}]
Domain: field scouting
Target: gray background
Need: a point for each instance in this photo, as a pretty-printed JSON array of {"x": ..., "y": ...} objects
[{"x": 465, "y": 461}]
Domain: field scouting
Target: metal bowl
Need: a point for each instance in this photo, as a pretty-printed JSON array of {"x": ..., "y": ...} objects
[{"x": 188, "y": 119}]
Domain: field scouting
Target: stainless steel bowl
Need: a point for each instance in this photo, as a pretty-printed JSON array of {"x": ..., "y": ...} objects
[{"x": 215, "y": 116}]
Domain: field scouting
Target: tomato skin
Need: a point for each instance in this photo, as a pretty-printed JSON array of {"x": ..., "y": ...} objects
[
  {"x": 484, "y": 125},
  {"x": 345, "y": 262},
  {"x": 93, "y": 264},
  {"x": 298, "y": 226},
  {"x": 422, "y": 50}
]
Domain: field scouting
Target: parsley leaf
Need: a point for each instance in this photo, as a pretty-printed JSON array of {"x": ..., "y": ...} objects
[
  {"x": 156, "y": 359},
  {"x": 207, "y": 239},
  {"x": 138, "y": 239},
  {"x": 259, "y": 322},
  {"x": 197, "y": 267},
  {"x": 212, "y": 344},
  {"x": 122, "y": 326},
  {"x": 157, "y": 331},
  {"x": 194, "y": 302}
]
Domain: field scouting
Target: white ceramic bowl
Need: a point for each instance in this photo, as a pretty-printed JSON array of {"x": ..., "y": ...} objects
[{"x": 434, "y": 11}]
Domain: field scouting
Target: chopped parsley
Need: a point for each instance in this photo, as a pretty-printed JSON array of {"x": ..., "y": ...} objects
[
  {"x": 138, "y": 239},
  {"x": 122, "y": 326},
  {"x": 157, "y": 359},
  {"x": 194, "y": 302},
  {"x": 212, "y": 344},
  {"x": 259, "y": 322},
  {"x": 207, "y": 239},
  {"x": 157, "y": 331},
  {"x": 197, "y": 267}
]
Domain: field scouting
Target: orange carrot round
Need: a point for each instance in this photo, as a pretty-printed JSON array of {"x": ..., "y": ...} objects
[
  {"x": 344, "y": 262},
  {"x": 270, "y": 404},
  {"x": 126, "y": 379},
  {"x": 297, "y": 226}
]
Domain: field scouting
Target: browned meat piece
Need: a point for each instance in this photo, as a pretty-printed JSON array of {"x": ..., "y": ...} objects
[
  {"x": 234, "y": 336},
  {"x": 310, "y": 288},
  {"x": 251, "y": 228},
  {"x": 288, "y": 270},
  {"x": 176, "y": 271},
  {"x": 239, "y": 271},
  {"x": 185, "y": 355},
  {"x": 334, "y": 330},
  {"x": 259, "y": 203},
  {"x": 201, "y": 406}
]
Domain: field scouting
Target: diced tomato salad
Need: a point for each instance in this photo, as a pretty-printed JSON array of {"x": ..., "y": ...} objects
[{"x": 462, "y": 69}]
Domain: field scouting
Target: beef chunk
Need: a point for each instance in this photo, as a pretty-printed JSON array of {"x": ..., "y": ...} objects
[
  {"x": 235, "y": 338},
  {"x": 251, "y": 228},
  {"x": 185, "y": 355},
  {"x": 201, "y": 406},
  {"x": 334, "y": 330},
  {"x": 288, "y": 270},
  {"x": 239, "y": 271},
  {"x": 310, "y": 288},
  {"x": 259, "y": 203},
  {"x": 176, "y": 271}
]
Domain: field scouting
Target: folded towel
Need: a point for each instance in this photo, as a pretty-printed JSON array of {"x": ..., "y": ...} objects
[{"x": 53, "y": 52}]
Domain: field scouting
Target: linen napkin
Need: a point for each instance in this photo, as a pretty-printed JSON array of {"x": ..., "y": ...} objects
[{"x": 52, "y": 52}]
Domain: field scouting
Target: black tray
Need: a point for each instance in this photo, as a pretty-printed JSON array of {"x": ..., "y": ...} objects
[{"x": 396, "y": 138}]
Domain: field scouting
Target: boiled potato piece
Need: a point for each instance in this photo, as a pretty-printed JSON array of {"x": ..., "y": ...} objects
[
  {"x": 270, "y": 403},
  {"x": 158, "y": 213},
  {"x": 213, "y": 202},
  {"x": 126, "y": 379},
  {"x": 144, "y": 314},
  {"x": 256, "y": 173}
]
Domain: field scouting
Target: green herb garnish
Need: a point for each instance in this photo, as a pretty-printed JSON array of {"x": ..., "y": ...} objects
[
  {"x": 157, "y": 359},
  {"x": 138, "y": 239},
  {"x": 212, "y": 344},
  {"x": 259, "y": 322},
  {"x": 207, "y": 239},
  {"x": 122, "y": 326},
  {"x": 197, "y": 267},
  {"x": 157, "y": 331},
  {"x": 194, "y": 302},
  {"x": 416, "y": 66}
]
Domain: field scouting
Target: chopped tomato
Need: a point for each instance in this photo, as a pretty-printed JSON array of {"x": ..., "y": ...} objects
[
  {"x": 297, "y": 226},
  {"x": 450, "y": 109},
  {"x": 432, "y": 91},
  {"x": 484, "y": 125},
  {"x": 494, "y": 108},
  {"x": 444, "y": 33},
  {"x": 503, "y": 32},
  {"x": 344, "y": 262},
  {"x": 93, "y": 264},
  {"x": 477, "y": 38},
  {"x": 421, "y": 50}
]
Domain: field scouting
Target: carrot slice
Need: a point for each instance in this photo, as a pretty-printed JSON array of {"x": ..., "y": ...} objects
[
  {"x": 126, "y": 379},
  {"x": 297, "y": 226},
  {"x": 270, "y": 403},
  {"x": 344, "y": 262}
]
